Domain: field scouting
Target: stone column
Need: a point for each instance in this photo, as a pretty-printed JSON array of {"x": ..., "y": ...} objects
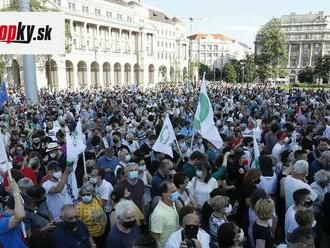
[
  {"x": 311, "y": 55},
  {"x": 300, "y": 50},
  {"x": 61, "y": 75},
  {"x": 289, "y": 56}
]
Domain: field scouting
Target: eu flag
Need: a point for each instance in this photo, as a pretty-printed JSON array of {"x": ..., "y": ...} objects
[{"x": 3, "y": 94}]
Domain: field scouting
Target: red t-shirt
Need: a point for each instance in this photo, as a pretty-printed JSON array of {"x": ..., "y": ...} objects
[{"x": 26, "y": 172}]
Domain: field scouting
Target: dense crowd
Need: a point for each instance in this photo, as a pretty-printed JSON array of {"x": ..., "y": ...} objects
[{"x": 131, "y": 196}]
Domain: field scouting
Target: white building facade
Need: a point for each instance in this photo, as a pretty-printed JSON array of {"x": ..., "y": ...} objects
[
  {"x": 308, "y": 37},
  {"x": 114, "y": 43},
  {"x": 215, "y": 50}
]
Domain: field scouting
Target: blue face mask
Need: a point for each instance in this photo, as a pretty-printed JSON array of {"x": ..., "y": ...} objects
[
  {"x": 175, "y": 196},
  {"x": 133, "y": 175}
]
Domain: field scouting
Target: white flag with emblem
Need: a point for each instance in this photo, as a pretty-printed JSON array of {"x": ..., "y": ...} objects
[
  {"x": 165, "y": 139},
  {"x": 203, "y": 121}
]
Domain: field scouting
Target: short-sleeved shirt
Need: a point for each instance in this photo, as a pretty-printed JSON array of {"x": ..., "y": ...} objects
[
  {"x": 136, "y": 190},
  {"x": 10, "y": 237},
  {"x": 263, "y": 233},
  {"x": 78, "y": 238},
  {"x": 93, "y": 216},
  {"x": 156, "y": 181},
  {"x": 214, "y": 223},
  {"x": 119, "y": 239},
  {"x": 201, "y": 190},
  {"x": 103, "y": 192},
  {"x": 38, "y": 218},
  {"x": 164, "y": 221},
  {"x": 55, "y": 201}
]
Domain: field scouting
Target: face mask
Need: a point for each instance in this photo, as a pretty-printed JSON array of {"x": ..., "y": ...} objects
[
  {"x": 133, "y": 175},
  {"x": 129, "y": 197},
  {"x": 287, "y": 140},
  {"x": 314, "y": 223},
  {"x": 199, "y": 173},
  {"x": 241, "y": 236},
  {"x": 93, "y": 180},
  {"x": 57, "y": 175},
  {"x": 115, "y": 140},
  {"x": 70, "y": 225},
  {"x": 175, "y": 196},
  {"x": 52, "y": 155},
  {"x": 257, "y": 181},
  {"x": 308, "y": 203},
  {"x": 245, "y": 162},
  {"x": 228, "y": 209},
  {"x": 190, "y": 231},
  {"x": 128, "y": 158},
  {"x": 129, "y": 224},
  {"x": 130, "y": 142},
  {"x": 142, "y": 168},
  {"x": 87, "y": 198}
]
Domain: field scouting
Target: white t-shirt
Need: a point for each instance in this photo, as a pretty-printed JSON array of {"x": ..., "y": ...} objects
[
  {"x": 104, "y": 191},
  {"x": 291, "y": 185},
  {"x": 175, "y": 239},
  {"x": 268, "y": 184},
  {"x": 276, "y": 152},
  {"x": 54, "y": 201},
  {"x": 200, "y": 190},
  {"x": 290, "y": 222}
]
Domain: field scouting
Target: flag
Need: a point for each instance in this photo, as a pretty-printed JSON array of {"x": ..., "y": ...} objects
[
  {"x": 255, "y": 150},
  {"x": 74, "y": 146},
  {"x": 3, "y": 94},
  {"x": 203, "y": 121},
  {"x": 4, "y": 161},
  {"x": 165, "y": 139}
]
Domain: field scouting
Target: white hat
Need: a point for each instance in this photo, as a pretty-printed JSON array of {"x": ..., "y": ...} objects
[{"x": 52, "y": 146}]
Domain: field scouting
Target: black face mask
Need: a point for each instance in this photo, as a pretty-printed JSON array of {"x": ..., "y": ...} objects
[
  {"x": 190, "y": 231},
  {"x": 115, "y": 140},
  {"x": 129, "y": 224},
  {"x": 308, "y": 203},
  {"x": 70, "y": 225},
  {"x": 128, "y": 197},
  {"x": 130, "y": 142},
  {"x": 257, "y": 181}
]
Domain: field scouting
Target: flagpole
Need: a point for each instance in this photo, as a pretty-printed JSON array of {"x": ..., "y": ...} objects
[
  {"x": 177, "y": 144},
  {"x": 8, "y": 171},
  {"x": 192, "y": 140},
  {"x": 84, "y": 163}
]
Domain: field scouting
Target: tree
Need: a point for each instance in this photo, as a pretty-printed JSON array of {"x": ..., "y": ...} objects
[
  {"x": 208, "y": 72},
  {"x": 229, "y": 72},
  {"x": 250, "y": 69},
  {"x": 271, "y": 46},
  {"x": 322, "y": 68},
  {"x": 306, "y": 76}
]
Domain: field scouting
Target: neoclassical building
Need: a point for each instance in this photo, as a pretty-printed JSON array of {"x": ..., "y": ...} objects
[
  {"x": 308, "y": 37},
  {"x": 114, "y": 42},
  {"x": 215, "y": 50}
]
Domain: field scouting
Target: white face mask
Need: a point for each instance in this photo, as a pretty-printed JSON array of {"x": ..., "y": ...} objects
[
  {"x": 57, "y": 175},
  {"x": 228, "y": 209},
  {"x": 199, "y": 173},
  {"x": 241, "y": 236},
  {"x": 142, "y": 167},
  {"x": 314, "y": 223}
]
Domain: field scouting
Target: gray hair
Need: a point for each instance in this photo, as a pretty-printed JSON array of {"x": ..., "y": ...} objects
[
  {"x": 124, "y": 208},
  {"x": 322, "y": 176},
  {"x": 300, "y": 167},
  {"x": 24, "y": 183}
]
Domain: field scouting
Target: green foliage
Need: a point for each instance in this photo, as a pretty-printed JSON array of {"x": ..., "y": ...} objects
[
  {"x": 250, "y": 68},
  {"x": 271, "y": 58},
  {"x": 230, "y": 73},
  {"x": 322, "y": 69},
  {"x": 306, "y": 76}
]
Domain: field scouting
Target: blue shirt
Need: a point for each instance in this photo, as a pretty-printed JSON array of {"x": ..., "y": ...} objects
[
  {"x": 10, "y": 237},
  {"x": 66, "y": 238},
  {"x": 156, "y": 181},
  {"x": 119, "y": 239},
  {"x": 104, "y": 162}
]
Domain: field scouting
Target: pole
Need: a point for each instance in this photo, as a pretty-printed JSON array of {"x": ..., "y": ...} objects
[
  {"x": 177, "y": 144},
  {"x": 84, "y": 162},
  {"x": 30, "y": 81}
]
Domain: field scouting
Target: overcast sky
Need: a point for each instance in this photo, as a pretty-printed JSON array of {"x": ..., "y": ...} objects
[{"x": 239, "y": 19}]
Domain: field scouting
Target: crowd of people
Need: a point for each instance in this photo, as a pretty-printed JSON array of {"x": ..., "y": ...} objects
[{"x": 132, "y": 196}]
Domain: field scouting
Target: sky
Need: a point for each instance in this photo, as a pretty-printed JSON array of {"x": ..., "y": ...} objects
[{"x": 240, "y": 19}]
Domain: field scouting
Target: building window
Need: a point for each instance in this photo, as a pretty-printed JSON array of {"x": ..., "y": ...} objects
[
  {"x": 203, "y": 47},
  {"x": 216, "y": 47},
  {"x": 109, "y": 14},
  {"x": 119, "y": 16},
  {"x": 210, "y": 47},
  {"x": 97, "y": 12}
]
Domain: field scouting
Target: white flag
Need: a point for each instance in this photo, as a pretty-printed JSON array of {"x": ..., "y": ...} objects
[
  {"x": 203, "y": 121},
  {"x": 255, "y": 149},
  {"x": 4, "y": 161},
  {"x": 165, "y": 139},
  {"x": 74, "y": 146}
]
